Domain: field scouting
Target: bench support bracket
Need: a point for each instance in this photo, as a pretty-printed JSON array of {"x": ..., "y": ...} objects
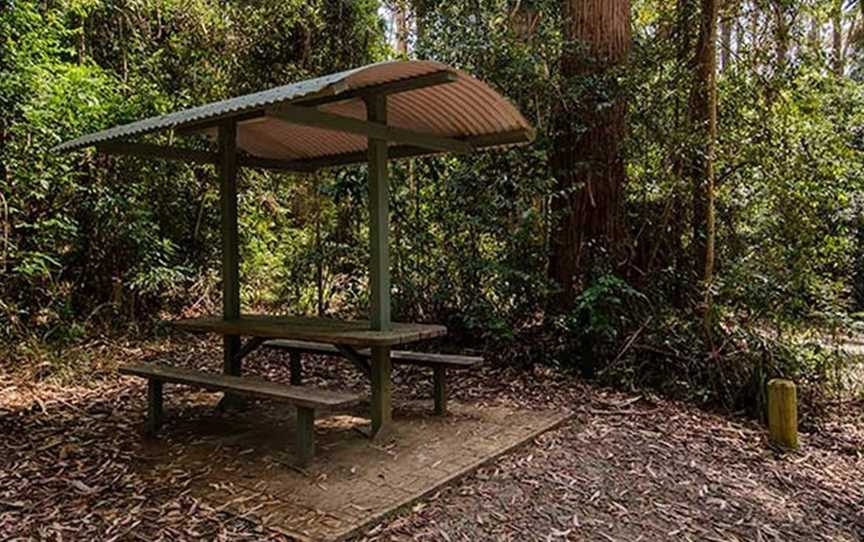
[
  {"x": 234, "y": 368},
  {"x": 356, "y": 359},
  {"x": 252, "y": 344}
]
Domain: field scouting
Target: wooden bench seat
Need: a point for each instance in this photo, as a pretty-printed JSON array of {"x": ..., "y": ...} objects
[
  {"x": 439, "y": 363},
  {"x": 307, "y": 400}
]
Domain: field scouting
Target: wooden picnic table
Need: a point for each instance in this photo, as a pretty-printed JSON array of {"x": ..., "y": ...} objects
[
  {"x": 339, "y": 119},
  {"x": 347, "y": 335}
]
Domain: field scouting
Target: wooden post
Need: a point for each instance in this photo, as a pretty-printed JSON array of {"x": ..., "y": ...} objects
[
  {"x": 230, "y": 242},
  {"x": 379, "y": 220},
  {"x": 379, "y": 268},
  {"x": 783, "y": 413},
  {"x": 382, "y": 392}
]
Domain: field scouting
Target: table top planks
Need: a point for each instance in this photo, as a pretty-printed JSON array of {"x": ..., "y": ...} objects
[{"x": 345, "y": 332}]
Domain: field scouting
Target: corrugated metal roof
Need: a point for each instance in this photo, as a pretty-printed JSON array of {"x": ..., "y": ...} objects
[{"x": 464, "y": 108}]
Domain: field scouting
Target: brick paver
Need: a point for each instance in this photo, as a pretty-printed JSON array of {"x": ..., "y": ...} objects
[{"x": 352, "y": 482}]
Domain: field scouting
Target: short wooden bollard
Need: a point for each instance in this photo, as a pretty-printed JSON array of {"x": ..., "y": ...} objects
[{"x": 783, "y": 413}]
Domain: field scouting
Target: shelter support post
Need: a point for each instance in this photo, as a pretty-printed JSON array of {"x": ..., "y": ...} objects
[
  {"x": 379, "y": 220},
  {"x": 230, "y": 251},
  {"x": 379, "y": 268},
  {"x": 382, "y": 391}
]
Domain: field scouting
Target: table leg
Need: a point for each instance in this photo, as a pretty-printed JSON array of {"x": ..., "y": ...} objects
[
  {"x": 439, "y": 378},
  {"x": 382, "y": 403},
  {"x": 154, "y": 407},
  {"x": 296, "y": 368},
  {"x": 305, "y": 445},
  {"x": 232, "y": 364}
]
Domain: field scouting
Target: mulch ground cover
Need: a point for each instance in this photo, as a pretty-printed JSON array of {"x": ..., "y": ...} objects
[{"x": 627, "y": 467}]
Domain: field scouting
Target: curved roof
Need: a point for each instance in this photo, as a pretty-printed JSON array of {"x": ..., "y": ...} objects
[{"x": 423, "y": 96}]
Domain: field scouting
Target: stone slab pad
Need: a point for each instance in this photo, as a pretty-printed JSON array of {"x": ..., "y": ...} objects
[{"x": 243, "y": 462}]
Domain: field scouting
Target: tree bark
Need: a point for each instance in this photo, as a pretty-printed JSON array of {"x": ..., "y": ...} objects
[
  {"x": 586, "y": 157},
  {"x": 402, "y": 32},
  {"x": 814, "y": 36},
  {"x": 725, "y": 44},
  {"x": 727, "y": 23},
  {"x": 703, "y": 116},
  {"x": 523, "y": 21},
  {"x": 837, "y": 60},
  {"x": 421, "y": 13},
  {"x": 781, "y": 34},
  {"x": 755, "y": 16}
]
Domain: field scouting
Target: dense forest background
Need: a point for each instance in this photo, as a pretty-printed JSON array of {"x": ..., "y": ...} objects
[{"x": 690, "y": 217}]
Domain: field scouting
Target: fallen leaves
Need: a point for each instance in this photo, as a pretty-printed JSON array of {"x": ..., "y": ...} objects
[
  {"x": 632, "y": 469},
  {"x": 73, "y": 466}
]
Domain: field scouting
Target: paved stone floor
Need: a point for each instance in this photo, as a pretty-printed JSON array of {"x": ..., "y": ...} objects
[{"x": 242, "y": 462}]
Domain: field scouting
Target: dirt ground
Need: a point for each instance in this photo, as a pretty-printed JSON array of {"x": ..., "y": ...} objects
[{"x": 627, "y": 467}]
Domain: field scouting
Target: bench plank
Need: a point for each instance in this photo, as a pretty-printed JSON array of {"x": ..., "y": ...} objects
[
  {"x": 299, "y": 396},
  {"x": 451, "y": 361},
  {"x": 426, "y": 359},
  {"x": 439, "y": 363}
]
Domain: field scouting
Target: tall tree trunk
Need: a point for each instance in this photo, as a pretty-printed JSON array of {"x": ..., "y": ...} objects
[
  {"x": 754, "y": 25},
  {"x": 837, "y": 60},
  {"x": 740, "y": 35},
  {"x": 725, "y": 43},
  {"x": 814, "y": 36},
  {"x": 781, "y": 34},
  {"x": 687, "y": 13},
  {"x": 703, "y": 116},
  {"x": 400, "y": 23},
  {"x": 586, "y": 157},
  {"x": 421, "y": 14},
  {"x": 659, "y": 244},
  {"x": 727, "y": 23}
]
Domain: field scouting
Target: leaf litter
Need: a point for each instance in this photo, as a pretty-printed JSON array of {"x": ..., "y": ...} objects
[{"x": 73, "y": 465}]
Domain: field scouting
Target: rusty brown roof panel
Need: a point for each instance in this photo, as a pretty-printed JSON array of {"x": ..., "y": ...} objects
[{"x": 466, "y": 107}]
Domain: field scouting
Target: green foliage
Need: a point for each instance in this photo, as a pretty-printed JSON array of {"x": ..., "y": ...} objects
[
  {"x": 602, "y": 312},
  {"x": 789, "y": 196},
  {"x": 82, "y": 231},
  {"x": 89, "y": 242}
]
